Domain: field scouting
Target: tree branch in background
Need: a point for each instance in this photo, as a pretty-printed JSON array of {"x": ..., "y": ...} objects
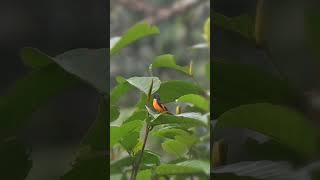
[{"x": 158, "y": 14}]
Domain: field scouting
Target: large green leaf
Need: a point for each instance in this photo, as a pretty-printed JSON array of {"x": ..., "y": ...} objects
[
  {"x": 97, "y": 134},
  {"x": 91, "y": 65},
  {"x": 143, "y": 83},
  {"x": 236, "y": 84},
  {"x": 118, "y": 91},
  {"x": 188, "y": 140},
  {"x": 144, "y": 175},
  {"x": 284, "y": 125},
  {"x": 169, "y": 132},
  {"x": 171, "y": 90},
  {"x": 135, "y": 33},
  {"x": 185, "y": 119},
  {"x": 168, "y": 61},
  {"x": 174, "y": 169},
  {"x": 174, "y": 147},
  {"x": 196, "y": 100},
  {"x": 117, "y": 133},
  {"x": 243, "y": 24},
  {"x": 34, "y": 58},
  {"x": 29, "y": 93},
  {"x": 203, "y": 165}
]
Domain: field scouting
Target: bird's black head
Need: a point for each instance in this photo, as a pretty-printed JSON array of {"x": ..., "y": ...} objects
[{"x": 156, "y": 96}]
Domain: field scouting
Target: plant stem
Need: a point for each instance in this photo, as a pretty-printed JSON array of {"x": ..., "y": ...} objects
[{"x": 137, "y": 164}]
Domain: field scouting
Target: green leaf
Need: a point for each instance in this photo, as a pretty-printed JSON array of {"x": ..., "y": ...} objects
[
  {"x": 143, "y": 83},
  {"x": 97, "y": 135},
  {"x": 136, "y": 32},
  {"x": 206, "y": 31},
  {"x": 171, "y": 90},
  {"x": 284, "y": 125},
  {"x": 130, "y": 141},
  {"x": 137, "y": 115},
  {"x": 196, "y": 100},
  {"x": 148, "y": 159},
  {"x": 174, "y": 169},
  {"x": 243, "y": 24},
  {"x": 174, "y": 147},
  {"x": 117, "y": 133},
  {"x": 197, "y": 164},
  {"x": 31, "y": 92},
  {"x": 34, "y": 58},
  {"x": 144, "y": 175},
  {"x": 15, "y": 161},
  {"x": 114, "y": 113},
  {"x": 118, "y": 91},
  {"x": 90, "y": 65},
  {"x": 168, "y": 61},
  {"x": 188, "y": 140},
  {"x": 113, "y": 41},
  {"x": 236, "y": 84},
  {"x": 169, "y": 132},
  {"x": 186, "y": 119}
]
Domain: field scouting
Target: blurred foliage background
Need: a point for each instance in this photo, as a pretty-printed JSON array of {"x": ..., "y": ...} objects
[{"x": 181, "y": 27}]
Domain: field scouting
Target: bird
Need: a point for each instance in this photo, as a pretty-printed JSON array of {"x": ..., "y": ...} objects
[{"x": 158, "y": 106}]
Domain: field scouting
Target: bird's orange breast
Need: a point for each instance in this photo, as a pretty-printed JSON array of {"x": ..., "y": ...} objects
[{"x": 159, "y": 107}]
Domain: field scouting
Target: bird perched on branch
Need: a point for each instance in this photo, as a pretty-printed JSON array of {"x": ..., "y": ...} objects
[{"x": 158, "y": 106}]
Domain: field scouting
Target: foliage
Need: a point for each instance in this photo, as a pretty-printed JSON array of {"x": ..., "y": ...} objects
[{"x": 178, "y": 134}]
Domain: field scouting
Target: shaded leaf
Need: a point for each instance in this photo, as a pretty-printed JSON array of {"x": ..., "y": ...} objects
[
  {"x": 174, "y": 169},
  {"x": 29, "y": 93},
  {"x": 136, "y": 32},
  {"x": 270, "y": 120},
  {"x": 236, "y": 84},
  {"x": 118, "y": 91},
  {"x": 169, "y": 132},
  {"x": 34, "y": 58},
  {"x": 198, "y": 164},
  {"x": 206, "y": 31},
  {"x": 182, "y": 119},
  {"x": 117, "y": 133},
  {"x": 144, "y": 175},
  {"x": 114, "y": 113},
  {"x": 171, "y": 90},
  {"x": 90, "y": 65}
]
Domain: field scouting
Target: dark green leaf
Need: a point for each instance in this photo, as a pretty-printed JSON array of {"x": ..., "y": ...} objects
[
  {"x": 171, "y": 90},
  {"x": 114, "y": 113},
  {"x": 31, "y": 92},
  {"x": 282, "y": 124},
  {"x": 170, "y": 132},
  {"x": 117, "y": 133},
  {"x": 186, "y": 119},
  {"x": 34, "y": 58},
  {"x": 118, "y": 91},
  {"x": 97, "y": 135},
  {"x": 90, "y": 65}
]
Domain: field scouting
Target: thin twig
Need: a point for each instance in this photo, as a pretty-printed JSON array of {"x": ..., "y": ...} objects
[{"x": 137, "y": 164}]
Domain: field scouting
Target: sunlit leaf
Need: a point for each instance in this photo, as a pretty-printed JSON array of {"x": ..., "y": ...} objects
[
  {"x": 135, "y": 33},
  {"x": 168, "y": 61},
  {"x": 117, "y": 133},
  {"x": 174, "y": 147},
  {"x": 143, "y": 83},
  {"x": 182, "y": 119},
  {"x": 169, "y": 132},
  {"x": 196, "y": 100},
  {"x": 144, "y": 175}
]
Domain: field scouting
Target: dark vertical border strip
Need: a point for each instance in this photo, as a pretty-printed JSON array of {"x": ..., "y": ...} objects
[
  {"x": 211, "y": 82},
  {"x": 108, "y": 94}
]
